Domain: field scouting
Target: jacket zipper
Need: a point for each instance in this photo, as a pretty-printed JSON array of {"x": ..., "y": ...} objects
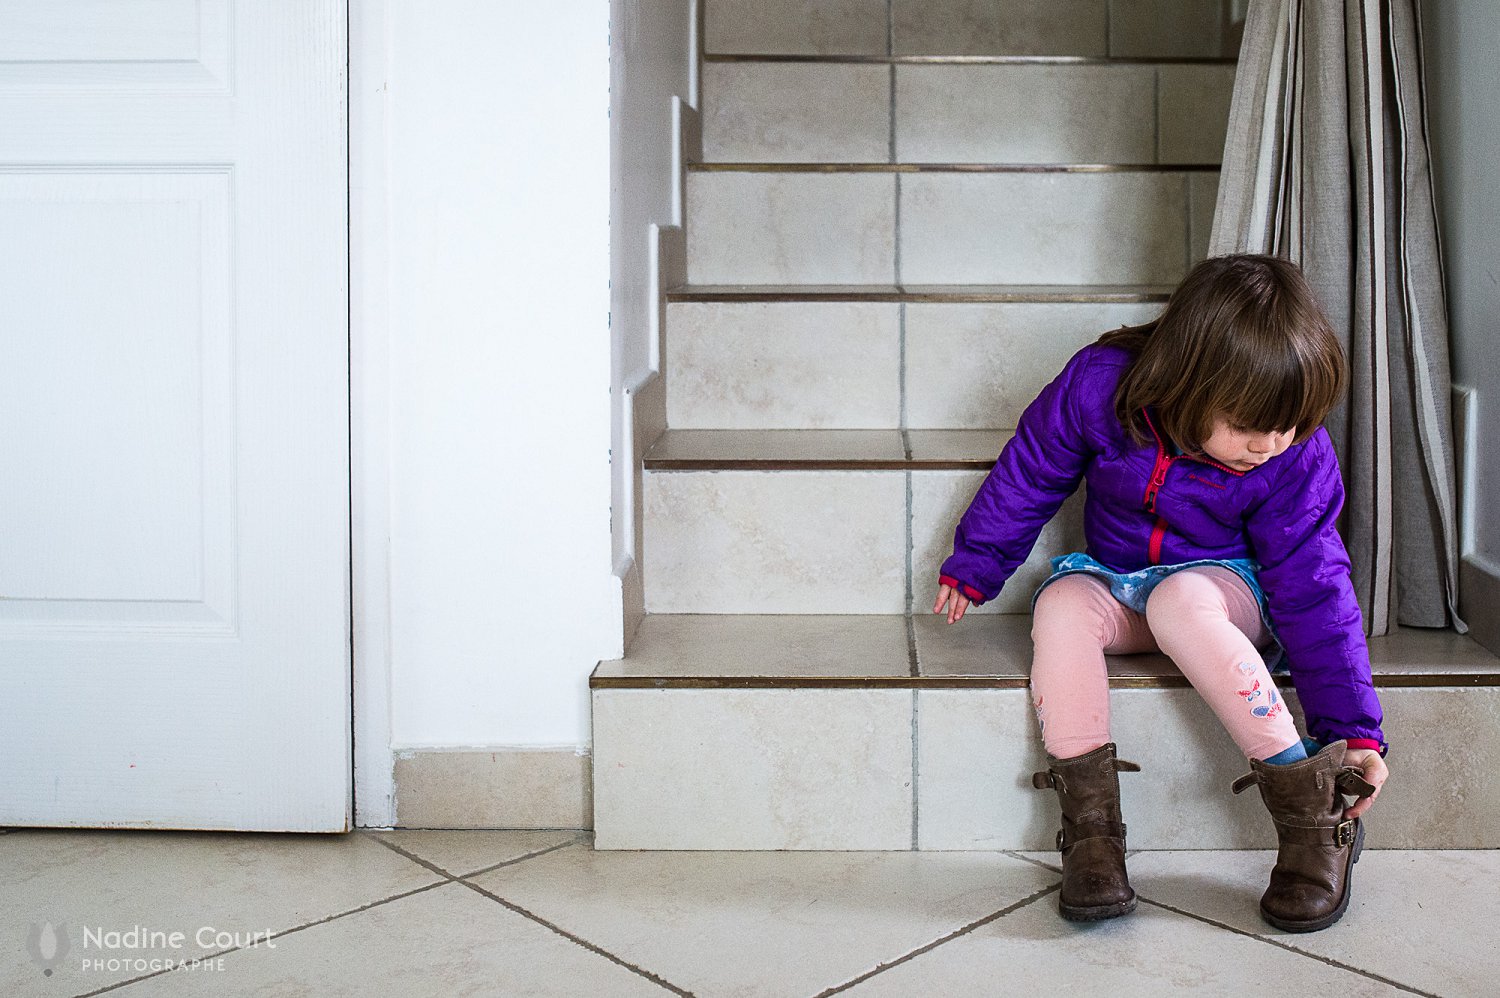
[
  {"x": 1158, "y": 479},
  {"x": 1153, "y": 549}
]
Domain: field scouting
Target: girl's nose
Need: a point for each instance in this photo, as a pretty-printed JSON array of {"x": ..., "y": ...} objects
[{"x": 1263, "y": 444}]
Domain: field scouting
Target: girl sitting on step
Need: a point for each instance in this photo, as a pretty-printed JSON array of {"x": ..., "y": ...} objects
[{"x": 1213, "y": 491}]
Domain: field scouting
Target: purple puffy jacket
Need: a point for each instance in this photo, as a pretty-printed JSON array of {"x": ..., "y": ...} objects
[{"x": 1146, "y": 507}]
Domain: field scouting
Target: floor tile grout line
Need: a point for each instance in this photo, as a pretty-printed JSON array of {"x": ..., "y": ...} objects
[
  {"x": 1188, "y": 200},
  {"x": 926, "y": 947},
  {"x": 891, "y": 123},
  {"x": 1016, "y": 854},
  {"x": 915, "y": 773},
  {"x": 579, "y": 940},
  {"x": 1272, "y": 941},
  {"x": 1156, "y": 113},
  {"x": 425, "y": 864},
  {"x": 577, "y": 839},
  {"x": 901, "y": 412},
  {"x": 447, "y": 878},
  {"x": 890, "y": 47},
  {"x": 275, "y": 935}
]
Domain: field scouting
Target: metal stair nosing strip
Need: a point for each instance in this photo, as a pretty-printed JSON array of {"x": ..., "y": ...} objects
[
  {"x": 896, "y": 294},
  {"x": 747, "y": 167},
  {"x": 975, "y": 60},
  {"x": 1388, "y": 680}
]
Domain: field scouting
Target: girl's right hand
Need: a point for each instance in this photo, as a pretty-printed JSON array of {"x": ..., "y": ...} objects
[{"x": 957, "y": 603}]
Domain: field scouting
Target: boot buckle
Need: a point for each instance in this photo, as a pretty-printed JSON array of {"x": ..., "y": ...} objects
[{"x": 1343, "y": 834}]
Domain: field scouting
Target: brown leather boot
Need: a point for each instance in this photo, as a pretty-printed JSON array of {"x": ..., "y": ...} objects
[
  {"x": 1092, "y": 837},
  {"x": 1310, "y": 884}
]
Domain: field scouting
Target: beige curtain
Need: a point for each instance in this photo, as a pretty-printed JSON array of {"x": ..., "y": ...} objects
[{"x": 1326, "y": 163}]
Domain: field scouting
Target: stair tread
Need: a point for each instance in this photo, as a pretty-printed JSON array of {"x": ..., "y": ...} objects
[
  {"x": 825, "y": 450},
  {"x": 962, "y": 293},
  {"x": 988, "y": 650},
  {"x": 761, "y": 166},
  {"x": 979, "y": 60}
]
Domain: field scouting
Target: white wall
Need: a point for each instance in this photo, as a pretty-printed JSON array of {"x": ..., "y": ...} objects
[
  {"x": 652, "y": 61},
  {"x": 1461, "y": 40},
  {"x": 502, "y": 595}
]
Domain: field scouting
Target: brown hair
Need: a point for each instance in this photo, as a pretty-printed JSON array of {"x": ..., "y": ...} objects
[{"x": 1242, "y": 335}]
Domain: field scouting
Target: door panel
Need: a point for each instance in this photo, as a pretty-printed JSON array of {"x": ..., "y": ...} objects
[{"x": 174, "y": 480}]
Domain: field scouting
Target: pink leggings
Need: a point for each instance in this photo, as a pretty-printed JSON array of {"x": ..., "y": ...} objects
[{"x": 1204, "y": 618}]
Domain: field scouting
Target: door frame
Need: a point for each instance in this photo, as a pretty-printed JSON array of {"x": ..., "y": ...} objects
[{"x": 369, "y": 413}]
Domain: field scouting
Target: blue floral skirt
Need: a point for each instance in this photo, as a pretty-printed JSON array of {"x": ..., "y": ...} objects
[{"x": 1132, "y": 588}]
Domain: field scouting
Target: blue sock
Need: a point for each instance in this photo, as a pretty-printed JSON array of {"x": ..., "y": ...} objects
[
  {"x": 1306, "y": 749},
  {"x": 1295, "y": 752}
]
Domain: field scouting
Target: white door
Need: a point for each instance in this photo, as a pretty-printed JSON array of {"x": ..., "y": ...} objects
[{"x": 174, "y": 408}]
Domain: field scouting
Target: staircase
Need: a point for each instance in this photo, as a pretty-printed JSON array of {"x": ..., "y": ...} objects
[{"x": 903, "y": 219}]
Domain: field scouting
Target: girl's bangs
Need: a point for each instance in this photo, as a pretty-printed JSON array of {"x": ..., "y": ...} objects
[
  {"x": 1267, "y": 389},
  {"x": 1278, "y": 383}
]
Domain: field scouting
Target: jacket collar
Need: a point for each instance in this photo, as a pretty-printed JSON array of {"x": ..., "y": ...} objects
[{"x": 1162, "y": 453}]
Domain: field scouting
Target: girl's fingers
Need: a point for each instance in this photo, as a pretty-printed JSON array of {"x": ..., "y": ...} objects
[
  {"x": 1376, "y": 774},
  {"x": 942, "y": 596},
  {"x": 1362, "y": 805}
]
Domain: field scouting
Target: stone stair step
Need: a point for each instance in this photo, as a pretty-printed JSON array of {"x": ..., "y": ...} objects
[
  {"x": 896, "y": 732},
  {"x": 945, "y": 360},
  {"x": 820, "y": 521},
  {"x": 826, "y": 450},
  {"x": 1090, "y": 28},
  {"x": 965, "y": 112},
  {"x": 822, "y": 224}
]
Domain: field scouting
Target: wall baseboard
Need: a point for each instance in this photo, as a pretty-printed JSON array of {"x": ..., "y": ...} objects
[
  {"x": 1478, "y": 598},
  {"x": 499, "y": 787}
]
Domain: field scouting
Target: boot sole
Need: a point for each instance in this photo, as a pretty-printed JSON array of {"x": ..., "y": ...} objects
[
  {"x": 1337, "y": 913},
  {"x": 1096, "y": 913}
]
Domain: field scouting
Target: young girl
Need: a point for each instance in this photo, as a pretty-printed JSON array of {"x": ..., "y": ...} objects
[{"x": 1213, "y": 492}]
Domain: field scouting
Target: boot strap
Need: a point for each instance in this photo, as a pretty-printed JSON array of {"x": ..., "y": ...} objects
[
  {"x": 1350, "y": 781},
  {"x": 1341, "y": 834},
  {"x": 1069, "y": 834},
  {"x": 1046, "y": 779}
]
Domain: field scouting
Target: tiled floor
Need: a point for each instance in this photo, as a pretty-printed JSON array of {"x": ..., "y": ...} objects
[{"x": 521, "y": 913}]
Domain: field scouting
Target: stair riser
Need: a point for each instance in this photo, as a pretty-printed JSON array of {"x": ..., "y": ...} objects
[
  {"x": 841, "y": 113},
  {"x": 818, "y": 542},
  {"x": 833, "y": 769},
  {"x": 954, "y": 228},
  {"x": 1132, "y": 28},
  {"x": 800, "y": 365},
  {"x": 790, "y": 365}
]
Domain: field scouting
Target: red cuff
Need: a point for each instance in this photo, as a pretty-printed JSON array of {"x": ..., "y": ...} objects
[
  {"x": 1366, "y": 743},
  {"x": 973, "y": 595}
]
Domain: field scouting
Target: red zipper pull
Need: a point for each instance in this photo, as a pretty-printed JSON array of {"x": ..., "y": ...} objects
[{"x": 1158, "y": 479}]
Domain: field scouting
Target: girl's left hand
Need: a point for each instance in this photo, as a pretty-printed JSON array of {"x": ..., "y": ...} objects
[{"x": 1375, "y": 773}]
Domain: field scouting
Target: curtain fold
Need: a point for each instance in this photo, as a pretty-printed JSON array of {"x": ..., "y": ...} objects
[{"x": 1326, "y": 164}]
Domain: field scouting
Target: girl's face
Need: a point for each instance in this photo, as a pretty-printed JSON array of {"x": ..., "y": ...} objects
[{"x": 1242, "y": 448}]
